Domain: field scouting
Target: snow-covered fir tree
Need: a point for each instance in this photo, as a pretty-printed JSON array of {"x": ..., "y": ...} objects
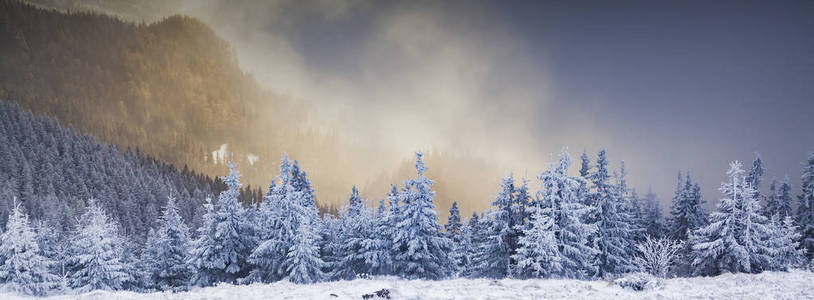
[
  {"x": 736, "y": 238},
  {"x": 687, "y": 212},
  {"x": 562, "y": 197},
  {"x": 302, "y": 261},
  {"x": 473, "y": 235},
  {"x": 167, "y": 250},
  {"x": 613, "y": 234},
  {"x": 805, "y": 207},
  {"x": 501, "y": 243},
  {"x": 23, "y": 268},
  {"x": 755, "y": 176},
  {"x": 377, "y": 244},
  {"x": 278, "y": 220},
  {"x": 653, "y": 219},
  {"x": 422, "y": 249},
  {"x": 357, "y": 226},
  {"x": 538, "y": 255},
  {"x": 226, "y": 239},
  {"x": 95, "y": 257},
  {"x": 785, "y": 241},
  {"x": 453, "y": 229}
]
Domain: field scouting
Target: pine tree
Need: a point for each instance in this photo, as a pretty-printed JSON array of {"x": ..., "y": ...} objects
[
  {"x": 356, "y": 228},
  {"x": 377, "y": 244},
  {"x": 805, "y": 208},
  {"x": 755, "y": 176},
  {"x": 453, "y": 230},
  {"x": 784, "y": 241},
  {"x": 23, "y": 268},
  {"x": 736, "y": 239},
  {"x": 783, "y": 208},
  {"x": 95, "y": 256},
  {"x": 465, "y": 249},
  {"x": 496, "y": 251},
  {"x": 687, "y": 212},
  {"x": 613, "y": 235},
  {"x": 562, "y": 196},
  {"x": 423, "y": 250},
  {"x": 772, "y": 200},
  {"x": 278, "y": 219},
  {"x": 302, "y": 261},
  {"x": 653, "y": 220},
  {"x": 220, "y": 254},
  {"x": 167, "y": 250},
  {"x": 538, "y": 255}
]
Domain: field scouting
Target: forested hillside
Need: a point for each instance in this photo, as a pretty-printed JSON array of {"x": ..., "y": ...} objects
[{"x": 54, "y": 171}]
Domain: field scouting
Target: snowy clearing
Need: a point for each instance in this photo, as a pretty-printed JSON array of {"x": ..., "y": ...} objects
[{"x": 769, "y": 285}]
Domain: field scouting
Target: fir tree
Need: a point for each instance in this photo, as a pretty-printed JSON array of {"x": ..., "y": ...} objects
[
  {"x": 453, "y": 230},
  {"x": 500, "y": 245},
  {"x": 95, "y": 256},
  {"x": 423, "y": 250},
  {"x": 784, "y": 241},
  {"x": 805, "y": 208},
  {"x": 562, "y": 196},
  {"x": 23, "y": 268},
  {"x": 302, "y": 261},
  {"x": 167, "y": 250},
  {"x": 613, "y": 236},
  {"x": 278, "y": 219},
  {"x": 538, "y": 255},
  {"x": 227, "y": 240},
  {"x": 736, "y": 239}
]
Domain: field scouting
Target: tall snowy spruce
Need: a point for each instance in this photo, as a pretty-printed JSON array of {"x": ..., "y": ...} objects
[
  {"x": 302, "y": 261},
  {"x": 785, "y": 242},
  {"x": 686, "y": 213},
  {"x": 686, "y": 216},
  {"x": 279, "y": 217},
  {"x": 562, "y": 197},
  {"x": 95, "y": 257},
  {"x": 805, "y": 208},
  {"x": 377, "y": 245},
  {"x": 357, "y": 226},
  {"x": 167, "y": 250},
  {"x": 495, "y": 252},
  {"x": 653, "y": 220},
  {"x": 225, "y": 239},
  {"x": 737, "y": 237},
  {"x": 23, "y": 268},
  {"x": 453, "y": 230},
  {"x": 613, "y": 234},
  {"x": 538, "y": 255},
  {"x": 422, "y": 249}
]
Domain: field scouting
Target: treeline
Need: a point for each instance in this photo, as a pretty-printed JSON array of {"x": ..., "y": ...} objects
[{"x": 585, "y": 226}]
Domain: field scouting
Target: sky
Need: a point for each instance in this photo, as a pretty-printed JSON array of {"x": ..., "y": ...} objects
[{"x": 663, "y": 85}]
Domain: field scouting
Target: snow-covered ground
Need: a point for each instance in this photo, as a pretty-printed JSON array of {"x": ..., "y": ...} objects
[{"x": 769, "y": 285}]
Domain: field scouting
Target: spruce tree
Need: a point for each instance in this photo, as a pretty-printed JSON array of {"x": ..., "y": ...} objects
[
  {"x": 613, "y": 235},
  {"x": 562, "y": 198},
  {"x": 302, "y": 261},
  {"x": 423, "y": 250},
  {"x": 167, "y": 251},
  {"x": 278, "y": 219},
  {"x": 23, "y": 268},
  {"x": 453, "y": 230},
  {"x": 805, "y": 208},
  {"x": 538, "y": 255},
  {"x": 95, "y": 257},
  {"x": 222, "y": 251},
  {"x": 501, "y": 243},
  {"x": 736, "y": 239}
]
